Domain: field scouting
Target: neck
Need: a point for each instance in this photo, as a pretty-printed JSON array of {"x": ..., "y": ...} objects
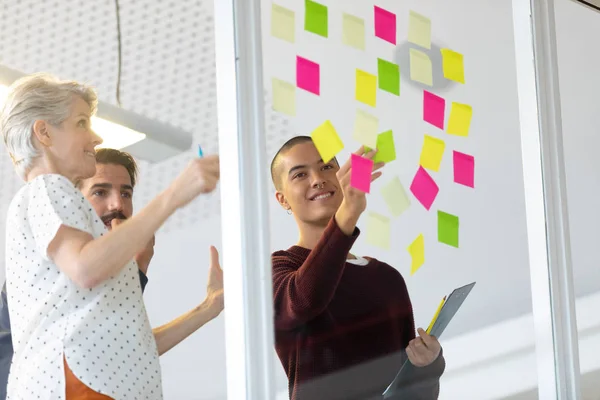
[
  {"x": 310, "y": 233},
  {"x": 44, "y": 167}
]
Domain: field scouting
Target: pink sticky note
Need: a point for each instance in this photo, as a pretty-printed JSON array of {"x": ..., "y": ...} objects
[
  {"x": 385, "y": 25},
  {"x": 307, "y": 75},
  {"x": 424, "y": 188},
  {"x": 464, "y": 169},
  {"x": 360, "y": 175},
  {"x": 433, "y": 109}
]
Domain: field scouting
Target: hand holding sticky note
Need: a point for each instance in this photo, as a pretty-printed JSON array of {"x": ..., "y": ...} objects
[
  {"x": 327, "y": 141},
  {"x": 360, "y": 174}
]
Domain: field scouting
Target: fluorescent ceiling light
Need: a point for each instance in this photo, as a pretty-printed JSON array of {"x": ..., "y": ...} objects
[
  {"x": 140, "y": 136},
  {"x": 113, "y": 135}
]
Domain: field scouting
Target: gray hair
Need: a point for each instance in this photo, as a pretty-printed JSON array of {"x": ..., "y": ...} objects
[{"x": 37, "y": 97}]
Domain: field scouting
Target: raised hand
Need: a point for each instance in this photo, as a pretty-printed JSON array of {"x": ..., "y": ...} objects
[
  {"x": 214, "y": 287},
  {"x": 200, "y": 176},
  {"x": 355, "y": 200}
]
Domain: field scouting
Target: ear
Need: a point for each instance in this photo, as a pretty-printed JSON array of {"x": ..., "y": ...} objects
[
  {"x": 282, "y": 200},
  {"x": 41, "y": 132}
]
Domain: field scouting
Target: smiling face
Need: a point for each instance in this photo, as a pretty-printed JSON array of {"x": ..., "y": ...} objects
[
  {"x": 307, "y": 185},
  {"x": 110, "y": 192},
  {"x": 69, "y": 149}
]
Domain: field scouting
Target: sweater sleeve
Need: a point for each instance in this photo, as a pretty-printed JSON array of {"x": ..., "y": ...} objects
[{"x": 302, "y": 293}]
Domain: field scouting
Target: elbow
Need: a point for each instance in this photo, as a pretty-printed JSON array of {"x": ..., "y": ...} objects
[{"x": 84, "y": 279}]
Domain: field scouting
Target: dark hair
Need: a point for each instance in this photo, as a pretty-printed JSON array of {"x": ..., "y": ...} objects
[
  {"x": 296, "y": 140},
  {"x": 118, "y": 157}
]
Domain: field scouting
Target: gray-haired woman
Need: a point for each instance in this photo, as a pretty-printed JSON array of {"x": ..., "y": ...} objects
[{"x": 74, "y": 295}]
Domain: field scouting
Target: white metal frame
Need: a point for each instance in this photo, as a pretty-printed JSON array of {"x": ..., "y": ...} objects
[
  {"x": 248, "y": 316},
  {"x": 546, "y": 200},
  {"x": 244, "y": 205}
]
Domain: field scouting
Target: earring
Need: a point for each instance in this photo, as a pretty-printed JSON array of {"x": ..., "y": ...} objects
[{"x": 289, "y": 211}]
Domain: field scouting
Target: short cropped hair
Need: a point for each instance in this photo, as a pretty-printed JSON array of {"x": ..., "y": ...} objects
[
  {"x": 37, "y": 97},
  {"x": 118, "y": 157},
  {"x": 276, "y": 162}
]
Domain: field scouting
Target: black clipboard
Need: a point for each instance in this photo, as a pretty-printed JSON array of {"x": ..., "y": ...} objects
[{"x": 448, "y": 311}]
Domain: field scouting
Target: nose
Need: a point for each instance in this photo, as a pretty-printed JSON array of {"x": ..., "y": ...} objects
[
  {"x": 115, "y": 202},
  {"x": 96, "y": 139},
  {"x": 318, "y": 181}
]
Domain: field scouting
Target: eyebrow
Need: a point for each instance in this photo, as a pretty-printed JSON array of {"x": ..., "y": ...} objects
[
  {"x": 297, "y": 167},
  {"x": 109, "y": 186}
]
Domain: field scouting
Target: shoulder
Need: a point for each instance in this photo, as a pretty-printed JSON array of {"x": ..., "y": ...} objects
[
  {"x": 384, "y": 266},
  {"x": 286, "y": 259}
]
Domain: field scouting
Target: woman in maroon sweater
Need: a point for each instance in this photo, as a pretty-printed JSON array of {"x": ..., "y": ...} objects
[{"x": 343, "y": 324}]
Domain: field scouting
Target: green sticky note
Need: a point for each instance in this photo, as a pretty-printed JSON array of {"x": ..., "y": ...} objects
[
  {"x": 283, "y": 23},
  {"x": 365, "y": 128},
  {"x": 395, "y": 197},
  {"x": 421, "y": 69},
  {"x": 378, "y": 230},
  {"x": 353, "y": 31},
  {"x": 386, "y": 150},
  {"x": 448, "y": 229},
  {"x": 284, "y": 97},
  {"x": 315, "y": 18},
  {"x": 389, "y": 76}
]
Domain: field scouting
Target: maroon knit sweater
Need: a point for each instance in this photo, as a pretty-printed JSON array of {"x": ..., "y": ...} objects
[{"x": 340, "y": 328}]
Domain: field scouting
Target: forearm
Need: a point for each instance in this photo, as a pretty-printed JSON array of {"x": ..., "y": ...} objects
[
  {"x": 302, "y": 293},
  {"x": 169, "y": 335},
  {"x": 104, "y": 257}
]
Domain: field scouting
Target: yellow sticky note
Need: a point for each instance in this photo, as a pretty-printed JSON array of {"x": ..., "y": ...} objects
[
  {"x": 378, "y": 230},
  {"x": 421, "y": 69},
  {"x": 417, "y": 253},
  {"x": 365, "y": 128},
  {"x": 419, "y": 30},
  {"x": 432, "y": 152},
  {"x": 395, "y": 197},
  {"x": 283, "y": 23},
  {"x": 327, "y": 141},
  {"x": 284, "y": 97},
  {"x": 453, "y": 66},
  {"x": 353, "y": 31},
  {"x": 366, "y": 87},
  {"x": 460, "y": 119}
]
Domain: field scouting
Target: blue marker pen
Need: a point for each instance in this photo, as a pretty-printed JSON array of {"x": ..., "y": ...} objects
[{"x": 200, "y": 154}]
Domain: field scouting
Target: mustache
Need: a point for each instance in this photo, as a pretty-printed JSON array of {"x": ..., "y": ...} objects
[{"x": 113, "y": 215}]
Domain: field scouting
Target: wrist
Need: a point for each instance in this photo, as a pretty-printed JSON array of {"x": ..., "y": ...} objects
[
  {"x": 211, "y": 306},
  {"x": 346, "y": 219}
]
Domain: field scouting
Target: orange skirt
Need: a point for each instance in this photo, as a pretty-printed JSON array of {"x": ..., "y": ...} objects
[{"x": 77, "y": 390}]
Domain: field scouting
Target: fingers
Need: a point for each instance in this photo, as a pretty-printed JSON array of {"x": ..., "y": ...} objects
[
  {"x": 115, "y": 222},
  {"x": 376, "y": 176},
  {"x": 214, "y": 258},
  {"x": 360, "y": 151},
  {"x": 378, "y": 166},
  {"x": 430, "y": 341}
]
